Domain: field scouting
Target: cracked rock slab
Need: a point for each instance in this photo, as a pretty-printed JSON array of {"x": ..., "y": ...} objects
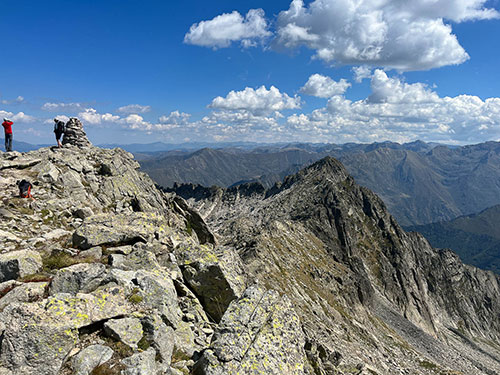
[{"x": 260, "y": 333}]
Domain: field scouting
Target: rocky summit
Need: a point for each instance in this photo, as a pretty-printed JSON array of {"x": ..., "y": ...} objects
[
  {"x": 104, "y": 273},
  {"x": 371, "y": 298}
]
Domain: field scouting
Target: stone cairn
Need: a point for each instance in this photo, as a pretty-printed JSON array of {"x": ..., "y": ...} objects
[{"x": 75, "y": 135}]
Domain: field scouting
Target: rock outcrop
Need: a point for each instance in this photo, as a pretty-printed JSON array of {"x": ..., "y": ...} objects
[
  {"x": 259, "y": 334},
  {"x": 74, "y": 134},
  {"x": 92, "y": 270},
  {"x": 103, "y": 273}
]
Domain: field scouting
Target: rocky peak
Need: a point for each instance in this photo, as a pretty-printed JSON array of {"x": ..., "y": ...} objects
[{"x": 360, "y": 283}]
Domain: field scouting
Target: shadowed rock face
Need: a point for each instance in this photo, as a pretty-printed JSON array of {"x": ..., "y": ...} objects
[{"x": 364, "y": 289}]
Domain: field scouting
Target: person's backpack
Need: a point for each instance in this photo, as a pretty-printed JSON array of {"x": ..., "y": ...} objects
[
  {"x": 59, "y": 127},
  {"x": 25, "y": 189}
]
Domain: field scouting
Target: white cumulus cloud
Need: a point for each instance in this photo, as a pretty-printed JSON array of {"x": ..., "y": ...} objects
[
  {"x": 393, "y": 34},
  {"x": 261, "y": 101},
  {"x": 134, "y": 108},
  {"x": 176, "y": 118},
  {"x": 227, "y": 28},
  {"x": 400, "y": 111},
  {"x": 55, "y": 107},
  {"x": 393, "y": 90},
  {"x": 17, "y": 117},
  {"x": 324, "y": 87},
  {"x": 361, "y": 72},
  {"x": 92, "y": 117}
]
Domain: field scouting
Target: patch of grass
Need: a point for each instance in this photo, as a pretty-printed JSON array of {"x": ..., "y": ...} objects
[
  {"x": 108, "y": 369},
  {"x": 121, "y": 350},
  {"x": 428, "y": 365},
  {"x": 56, "y": 261},
  {"x": 36, "y": 278},
  {"x": 135, "y": 297},
  {"x": 143, "y": 344},
  {"x": 178, "y": 356}
]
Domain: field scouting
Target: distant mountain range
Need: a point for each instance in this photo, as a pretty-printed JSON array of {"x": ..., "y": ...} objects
[
  {"x": 420, "y": 182},
  {"x": 475, "y": 238},
  {"x": 21, "y": 146}
]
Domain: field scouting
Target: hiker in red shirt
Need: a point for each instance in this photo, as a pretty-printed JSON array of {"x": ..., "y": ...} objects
[{"x": 7, "y": 125}]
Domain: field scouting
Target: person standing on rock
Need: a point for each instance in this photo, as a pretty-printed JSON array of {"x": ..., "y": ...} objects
[
  {"x": 59, "y": 131},
  {"x": 7, "y": 125}
]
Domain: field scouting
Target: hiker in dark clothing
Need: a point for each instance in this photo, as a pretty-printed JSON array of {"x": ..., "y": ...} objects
[
  {"x": 7, "y": 125},
  {"x": 59, "y": 131}
]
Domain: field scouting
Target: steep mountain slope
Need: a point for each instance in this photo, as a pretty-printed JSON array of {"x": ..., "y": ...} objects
[
  {"x": 366, "y": 291},
  {"x": 224, "y": 167},
  {"x": 475, "y": 238},
  {"x": 420, "y": 183},
  {"x": 407, "y": 182}
]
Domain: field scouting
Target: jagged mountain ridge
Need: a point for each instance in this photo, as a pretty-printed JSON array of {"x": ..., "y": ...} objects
[
  {"x": 351, "y": 271},
  {"x": 420, "y": 183}
]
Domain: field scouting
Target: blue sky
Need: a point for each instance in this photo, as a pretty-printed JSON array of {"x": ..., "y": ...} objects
[{"x": 320, "y": 71}]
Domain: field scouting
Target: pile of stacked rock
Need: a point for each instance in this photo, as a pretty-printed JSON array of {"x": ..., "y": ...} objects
[{"x": 75, "y": 135}]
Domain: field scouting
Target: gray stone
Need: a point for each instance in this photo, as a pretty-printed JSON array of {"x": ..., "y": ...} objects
[
  {"x": 55, "y": 234},
  {"x": 83, "y": 212},
  {"x": 20, "y": 263},
  {"x": 78, "y": 278},
  {"x": 6, "y": 214},
  {"x": 184, "y": 344},
  {"x": 47, "y": 172},
  {"x": 140, "y": 364},
  {"x": 92, "y": 253},
  {"x": 160, "y": 337},
  {"x": 259, "y": 334},
  {"x": 125, "y": 250},
  {"x": 160, "y": 294},
  {"x": 215, "y": 275},
  {"x": 117, "y": 261},
  {"x": 75, "y": 135},
  {"x": 38, "y": 336},
  {"x": 29, "y": 292},
  {"x": 116, "y": 230},
  {"x": 71, "y": 182},
  {"x": 138, "y": 259},
  {"x": 89, "y": 358},
  {"x": 127, "y": 330}
]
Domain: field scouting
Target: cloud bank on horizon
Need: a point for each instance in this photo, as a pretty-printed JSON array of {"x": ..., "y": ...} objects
[{"x": 380, "y": 40}]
